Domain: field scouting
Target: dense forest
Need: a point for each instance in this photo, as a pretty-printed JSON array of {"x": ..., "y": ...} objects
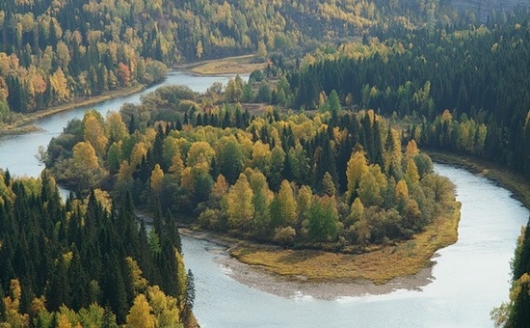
[
  {"x": 53, "y": 52},
  {"x": 464, "y": 90},
  {"x": 336, "y": 175},
  {"x": 87, "y": 261},
  {"x": 333, "y": 177},
  {"x": 455, "y": 89}
]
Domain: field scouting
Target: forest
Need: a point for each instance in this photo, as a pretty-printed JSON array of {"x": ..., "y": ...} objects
[
  {"x": 330, "y": 160},
  {"x": 335, "y": 180},
  {"x": 86, "y": 261},
  {"x": 54, "y": 52},
  {"x": 462, "y": 90}
]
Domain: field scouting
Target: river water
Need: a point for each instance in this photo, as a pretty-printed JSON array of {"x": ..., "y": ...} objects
[
  {"x": 469, "y": 278},
  {"x": 18, "y": 152}
]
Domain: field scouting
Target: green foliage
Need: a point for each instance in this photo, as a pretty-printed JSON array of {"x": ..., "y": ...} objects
[
  {"x": 323, "y": 219},
  {"x": 268, "y": 169},
  {"x": 83, "y": 250}
]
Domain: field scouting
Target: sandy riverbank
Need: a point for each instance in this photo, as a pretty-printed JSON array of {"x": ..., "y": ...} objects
[{"x": 258, "y": 277}]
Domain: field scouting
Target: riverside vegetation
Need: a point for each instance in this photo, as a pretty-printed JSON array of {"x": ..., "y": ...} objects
[
  {"x": 86, "y": 262},
  {"x": 332, "y": 180},
  {"x": 432, "y": 71}
]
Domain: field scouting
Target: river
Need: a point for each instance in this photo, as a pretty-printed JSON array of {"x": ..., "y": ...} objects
[
  {"x": 18, "y": 151},
  {"x": 469, "y": 277}
]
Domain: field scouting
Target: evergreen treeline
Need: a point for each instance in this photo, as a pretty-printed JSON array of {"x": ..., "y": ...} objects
[
  {"x": 479, "y": 75},
  {"x": 464, "y": 90},
  {"x": 516, "y": 312},
  {"x": 86, "y": 262},
  {"x": 335, "y": 177}
]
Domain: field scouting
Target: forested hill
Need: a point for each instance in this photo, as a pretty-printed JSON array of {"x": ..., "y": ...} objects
[
  {"x": 478, "y": 75},
  {"x": 484, "y": 10},
  {"x": 53, "y": 51}
]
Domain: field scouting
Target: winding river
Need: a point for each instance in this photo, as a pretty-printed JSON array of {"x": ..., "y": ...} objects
[{"x": 469, "y": 278}]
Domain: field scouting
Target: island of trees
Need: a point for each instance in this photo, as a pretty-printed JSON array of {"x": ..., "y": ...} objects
[
  {"x": 331, "y": 179},
  {"x": 331, "y": 161}
]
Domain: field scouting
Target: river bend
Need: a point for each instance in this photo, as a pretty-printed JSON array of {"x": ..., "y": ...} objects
[{"x": 469, "y": 277}]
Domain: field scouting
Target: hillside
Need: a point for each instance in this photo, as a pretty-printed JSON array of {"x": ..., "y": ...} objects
[{"x": 485, "y": 10}]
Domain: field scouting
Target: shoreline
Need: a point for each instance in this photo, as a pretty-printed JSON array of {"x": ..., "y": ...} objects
[
  {"x": 24, "y": 125},
  {"x": 260, "y": 278},
  {"x": 503, "y": 177},
  {"x": 257, "y": 276}
]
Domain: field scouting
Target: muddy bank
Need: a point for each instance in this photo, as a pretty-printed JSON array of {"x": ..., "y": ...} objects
[{"x": 258, "y": 277}]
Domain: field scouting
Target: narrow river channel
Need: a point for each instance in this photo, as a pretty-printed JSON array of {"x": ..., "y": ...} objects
[{"x": 469, "y": 278}]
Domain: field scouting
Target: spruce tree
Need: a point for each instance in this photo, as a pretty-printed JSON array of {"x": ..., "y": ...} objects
[{"x": 521, "y": 262}]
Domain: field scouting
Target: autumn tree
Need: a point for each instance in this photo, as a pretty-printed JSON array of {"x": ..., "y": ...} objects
[
  {"x": 283, "y": 207},
  {"x": 357, "y": 168},
  {"x": 94, "y": 132},
  {"x": 239, "y": 204},
  {"x": 156, "y": 180},
  {"x": 84, "y": 167},
  {"x": 140, "y": 314}
]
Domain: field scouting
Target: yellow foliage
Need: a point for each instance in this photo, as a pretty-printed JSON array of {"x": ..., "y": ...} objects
[
  {"x": 182, "y": 278},
  {"x": 114, "y": 127},
  {"x": 157, "y": 178},
  {"x": 357, "y": 167},
  {"x": 187, "y": 180},
  {"x": 402, "y": 191},
  {"x": 139, "y": 151},
  {"x": 412, "y": 149},
  {"x": 38, "y": 304},
  {"x": 104, "y": 199},
  {"x": 67, "y": 258},
  {"x": 125, "y": 171},
  {"x": 139, "y": 282},
  {"x": 59, "y": 83},
  {"x": 412, "y": 172},
  {"x": 16, "y": 290},
  {"x": 177, "y": 167},
  {"x": 165, "y": 308},
  {"x": 239, "y": 201},
  {"x": 63, "y": 322},
  {"x": 261, "y": 156},
  {"x": 94, "y": 133},
  {"x": 200, "y": 152},
  {"x": 140, "y": 314},
  {"x": 84, "y": 157}
]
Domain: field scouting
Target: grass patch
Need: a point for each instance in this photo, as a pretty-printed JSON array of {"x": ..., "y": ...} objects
[
  {"x": 379, "y": 265},
  {"x": 230, "y": 65}
]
